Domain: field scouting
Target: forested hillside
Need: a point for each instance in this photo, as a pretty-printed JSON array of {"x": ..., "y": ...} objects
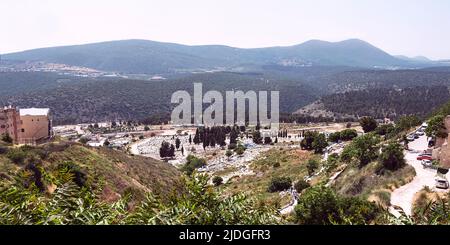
[
  {"x": 89, "y": 100},
  {"x": 384, "y": 102}
]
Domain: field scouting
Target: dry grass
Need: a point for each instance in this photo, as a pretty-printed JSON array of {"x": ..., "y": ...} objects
[
  {"x": 115, "y": 172},
  {"x": 371, "y": 183},
  {"x": 292, "y": 163}
]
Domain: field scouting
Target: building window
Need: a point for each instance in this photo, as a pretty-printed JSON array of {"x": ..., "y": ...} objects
[{"x": 23, "y": 130}]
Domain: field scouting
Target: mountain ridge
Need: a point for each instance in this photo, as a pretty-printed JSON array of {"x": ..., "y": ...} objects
[{"x": 152, "y": 57}]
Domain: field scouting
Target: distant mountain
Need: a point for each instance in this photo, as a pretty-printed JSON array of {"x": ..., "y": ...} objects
[
  {"x": 420, "y": 59},
  {"x": 150, "y": 57}
]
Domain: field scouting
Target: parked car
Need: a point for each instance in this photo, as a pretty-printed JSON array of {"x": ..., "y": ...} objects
[
  {"x": 424, "y": 157},
  {"x": 420, "y": 133},
  {"x": 416, "y": 136},
  {"x": 427, "y": 163},
  {"x": 410, "y": 137},
  {"x": 425, "y": 154},
  {"x": 431, "y": 143},
  {"x": 441, "y": 182}
]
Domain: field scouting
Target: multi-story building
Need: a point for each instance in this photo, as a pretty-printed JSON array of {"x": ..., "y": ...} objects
[
  {"x": 26, "y": 126},
  {"x": 10, "y": 122},
  {"x": 35, "y": 125}
]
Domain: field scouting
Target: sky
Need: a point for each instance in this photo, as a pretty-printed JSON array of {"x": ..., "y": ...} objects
[{"x": 406, "y": 27}]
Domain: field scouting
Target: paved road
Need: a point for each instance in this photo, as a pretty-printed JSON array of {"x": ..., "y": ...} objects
[{"x": 403, "y": 196}]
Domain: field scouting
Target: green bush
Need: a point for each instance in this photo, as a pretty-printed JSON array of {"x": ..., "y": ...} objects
[
  {"x": 3, "y": 149},
  {"x": 192, "y": 164},
  {"x": 320, "y": 205},
  {"x": 279, "y": 184},
  {"x": 240, "y": 149},
  {"x": 301, "y": 185},
  {"x": 6, "y": 138},
  {"x": 368, "y": 124},
  {"x": 16, "y": 155},
  {"x": 312, "y": 166},
  {"x": 392, "y": 156},
  {"x": 217, "y": 180}
]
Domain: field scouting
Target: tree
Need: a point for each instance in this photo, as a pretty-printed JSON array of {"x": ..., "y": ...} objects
[
  {"x": 363, "y": 148},
  {"x": 267, "y": 140},
  {"x": 320, "y": 205},
  {"x": 312, "y": 166},
  {"x": 165, "y": 150},
  {"x": 233, "y": 136},
  {"x": 368, "y": 124},
  {"x": 407, "y": 122},
  {"x": 83, "y": 140},
  {"x": 172, "y": 151},
  {"x": 182, "y": 150},
  {"x": 190, "y": 139},
  {"x": 276, "y": 140},
  {"x": 334, "y": 137},
  {"x": 217, "y": 180},
  {"x": 6, "y": 138},
  {"x": 228, "y": 153},
  {"x": 319, "y": 143},
  {"x": 197, "y": 138},
  {"x": 436, "y": 127},
  {"x": 332, "y": 162},
  {"x": 193, "y": 163},
  {"x": 177, "y": 143},
  {"x": 306, "y": 143},
  {"x": 257, "y": 139},
  {"x": 392, "y": 157},
  {"x": 385, "y": 129},
  {"x": 301, "y": 185},
  {"x": 240, "y": 149},
  {"x": 348, "y": 134},
  {"x": 279, "y": 184},
  {"x": 106, "y": 143}
]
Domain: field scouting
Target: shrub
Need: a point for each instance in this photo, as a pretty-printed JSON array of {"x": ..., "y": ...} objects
[
  {"x": 320, "y": 205},
  {"x": 3, "y": 150},
  {"x": 301, "y": 185},
  {"x": 392, "y": 156},
  {"x": 232, "y": 146},
  {"x": 228, "y": 153},
  {"x": 368, "y": 124},
  {"x": 279, "y": 184},
  {"x": 17, "y": 156},
  {"x": 348, "y": 134},
  {"x": 6, "y": 138},
  {"x": 240, "y": 149},
  {"x": 192, "y": 164},
  {"x": 217, "y": 180},
  {"x": 334, "y": 137},
  {"x": 312, "y": 166},
  {"x": 84, "y": 140}
]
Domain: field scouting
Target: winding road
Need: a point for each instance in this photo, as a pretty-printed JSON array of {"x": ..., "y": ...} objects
[{"x": 403, "y": 196}]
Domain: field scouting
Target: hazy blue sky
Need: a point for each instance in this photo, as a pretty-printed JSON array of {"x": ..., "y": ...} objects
[{"x": 409, "y": 27}]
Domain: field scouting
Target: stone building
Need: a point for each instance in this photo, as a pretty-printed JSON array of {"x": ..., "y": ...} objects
[
  {"x": 10, "y": 122},
  {"x": 26, "y": 126}
]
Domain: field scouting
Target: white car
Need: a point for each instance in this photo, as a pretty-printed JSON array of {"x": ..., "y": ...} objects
[
  {"x": 410, "y": 137},
  {"x": 441, "y": 183},
  {"x": 420, "y": 133},
  {"x": 426, "y": 163}
]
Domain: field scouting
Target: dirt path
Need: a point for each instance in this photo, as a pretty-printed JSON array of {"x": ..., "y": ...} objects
[{"x": 403, "y": 196}]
